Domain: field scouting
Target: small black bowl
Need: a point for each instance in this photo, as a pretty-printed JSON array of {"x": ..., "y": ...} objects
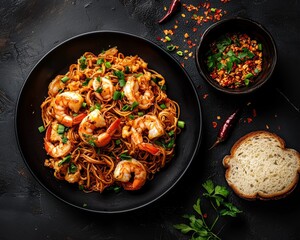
[{"x": 238, "y": 25}]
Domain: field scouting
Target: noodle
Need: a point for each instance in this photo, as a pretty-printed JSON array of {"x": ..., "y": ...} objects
[{"x": 105, "y": 110}]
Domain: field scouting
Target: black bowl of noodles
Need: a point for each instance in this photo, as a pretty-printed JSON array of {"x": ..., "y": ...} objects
[{"x": 28, "y": 119}]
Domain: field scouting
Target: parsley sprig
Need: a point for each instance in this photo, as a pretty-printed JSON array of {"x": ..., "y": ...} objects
[{"x": 218, "y": 199}]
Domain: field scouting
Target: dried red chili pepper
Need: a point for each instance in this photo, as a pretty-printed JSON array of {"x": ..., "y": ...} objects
[
  {"x": 226, "y": 128},
  {"x": 175, "y": 4}
]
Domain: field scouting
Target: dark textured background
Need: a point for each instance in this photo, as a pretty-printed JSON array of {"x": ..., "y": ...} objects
[{"x": 29, "y": 29}]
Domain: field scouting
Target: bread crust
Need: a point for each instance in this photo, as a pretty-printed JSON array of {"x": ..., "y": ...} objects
[{"x": 260, "y": 195}]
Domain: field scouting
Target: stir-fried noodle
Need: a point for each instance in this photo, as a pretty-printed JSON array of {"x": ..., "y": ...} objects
[{"x": 109, "y": 122}]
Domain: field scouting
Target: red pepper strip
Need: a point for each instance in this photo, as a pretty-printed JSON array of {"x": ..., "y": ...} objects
[
  {"x": 226, "y": 128},
  {"x": 173, "y": 7}
]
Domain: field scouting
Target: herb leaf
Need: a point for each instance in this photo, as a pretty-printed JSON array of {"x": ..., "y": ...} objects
[
  {"x": 125, "y": 156},
  {"x": 82, "y": 63},
  {"x": 196, "y": 207},
  {"x": 184, "y": 228},
  {"x": 209, "y": 186},
  {"x": 223, "y": 43},
  {"x": 220, "y": 190},
  {"x": 72, "y": 168},
  {"x": 66, "y": 159},
  {"x": 217, "y": 196}
]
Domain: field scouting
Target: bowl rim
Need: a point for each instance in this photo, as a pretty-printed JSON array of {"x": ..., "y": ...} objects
[{"x": 224, "y": 21}]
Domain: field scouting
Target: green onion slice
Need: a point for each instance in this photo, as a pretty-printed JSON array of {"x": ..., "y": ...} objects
[
  {"x": 180, "y": 124},
  {"x": 60, "y": 129},
  {"x": 125, "y": 107},
  {"x": 65, "y": 79},
  {"x": 134, "y": 105},
  {"x": 41, "y": 129},
  {"x": 66, "y": 159},
  {"x": 117, "y": 95}
]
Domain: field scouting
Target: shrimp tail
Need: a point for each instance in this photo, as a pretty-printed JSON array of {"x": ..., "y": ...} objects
[
  {"x": 48, "y": 132},
  {"x": 149, "y": 148},
  {"x": 104, "y": 138},
  {"x": 135, "y": 185},
  {"x": 79, "y": 118},
  {"x": 113, "y": 127},
  {"x": 48, "y": 147}
]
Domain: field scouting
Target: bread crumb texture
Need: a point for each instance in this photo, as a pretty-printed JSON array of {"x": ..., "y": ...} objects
[{"x": 261, "y": 167}]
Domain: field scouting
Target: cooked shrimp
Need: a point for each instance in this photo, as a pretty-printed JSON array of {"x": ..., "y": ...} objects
[
  {"x": 73, "y": 177},
  {"x": 139, "y": 90},
  {"x": 54, "y": 144},
  {"x": 95, "y": 120},
  {"x": 128, "y": 169},
  {"x": 150, "y": 123},
  {"x": 104, "y": 88},
  {"x": 55, "y": 86},
  {"x": 112, "y": 51},
  {"x": 61, "y": 171},
  {"x": 61, "y": 105},
  {"x": 138, "y": 126}
]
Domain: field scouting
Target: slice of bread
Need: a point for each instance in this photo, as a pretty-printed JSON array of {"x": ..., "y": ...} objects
[{"x": 260, "y": 167}]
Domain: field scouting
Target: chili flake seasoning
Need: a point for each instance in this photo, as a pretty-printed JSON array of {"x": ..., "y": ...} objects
[
  {"x": 235, "y": 60},
  {"x": 193, "y": 16}
]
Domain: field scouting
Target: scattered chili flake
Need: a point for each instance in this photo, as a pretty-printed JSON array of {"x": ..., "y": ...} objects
[
  {"x": 206, "y": 5},
  {"x": 190, "y": 7},
  {"x": 205, "y": 95},
  {"x": 193, "y": 15},
  {"x": 254, "y": 112},
  {"x": 205, "y": 215},
  {"x": 168, "y": 32},
  {"x": 215, "y": 124},
  {"x": 249, "y": 120}
]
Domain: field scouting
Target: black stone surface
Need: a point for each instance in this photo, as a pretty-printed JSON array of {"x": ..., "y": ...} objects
[{"x": 29, "y": 29}]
